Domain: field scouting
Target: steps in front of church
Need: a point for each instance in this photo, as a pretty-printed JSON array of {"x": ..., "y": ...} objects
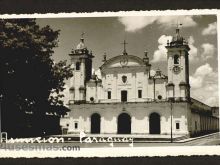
[{"x": 119, "y": 138}]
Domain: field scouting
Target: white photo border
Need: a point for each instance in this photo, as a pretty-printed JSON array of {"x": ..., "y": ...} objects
[{"x": 122, "y": 151}]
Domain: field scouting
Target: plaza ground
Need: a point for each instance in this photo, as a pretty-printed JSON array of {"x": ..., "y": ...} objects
[{"x": 207, "y": 140}]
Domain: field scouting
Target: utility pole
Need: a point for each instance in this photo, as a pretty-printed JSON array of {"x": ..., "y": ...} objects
[{"x": 171, "y": 120}]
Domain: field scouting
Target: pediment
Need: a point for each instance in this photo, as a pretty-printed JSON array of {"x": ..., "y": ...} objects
[{"x": 123, "y": 61}]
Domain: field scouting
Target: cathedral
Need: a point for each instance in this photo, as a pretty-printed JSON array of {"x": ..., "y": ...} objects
[{"x": 129, "y": 99}]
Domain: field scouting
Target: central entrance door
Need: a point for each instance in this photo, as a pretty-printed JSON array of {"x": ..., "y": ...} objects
[
  {"x": 124, "y": 95},
  {"x": 95, "y": 123},
  {"x": 154, "y": 123},
  {"x": 124, "y": 124}
]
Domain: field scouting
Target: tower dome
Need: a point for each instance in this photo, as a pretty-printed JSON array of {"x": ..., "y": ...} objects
[{"x": 81, "y": 45}]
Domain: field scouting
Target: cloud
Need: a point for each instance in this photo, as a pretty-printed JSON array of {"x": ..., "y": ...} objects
[
  {"x": 161, "y": 53},
  {"x": 204, "y": 70},
  {"x": 196, "y": 82},
  {"x": 201, "y": 72},
  {"x": 204, "y": 85},
  {"x": 212, "y": 100},
  {"x": 193, "y": 53},
  {"x": 132, "y": 24},
  {"x": 208, "y": 51},
  {"x": 208, "y": 94},
  {"x": 170, "y": 21},
  {"x": 211, "y": 29},
  {"x": 135, "y": 23}
]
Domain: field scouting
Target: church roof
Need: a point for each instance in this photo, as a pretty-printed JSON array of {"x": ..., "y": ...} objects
[{"x": 199, "y": 106}]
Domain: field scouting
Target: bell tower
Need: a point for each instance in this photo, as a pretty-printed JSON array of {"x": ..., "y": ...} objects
[
  {"x": 178, "y": 68},
  {"x": 81, "y": 63}
]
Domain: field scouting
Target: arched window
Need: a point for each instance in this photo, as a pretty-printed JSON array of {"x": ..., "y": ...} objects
[
  {"x": 176, "y": 59},
  {"x": 77, "y": 65}
]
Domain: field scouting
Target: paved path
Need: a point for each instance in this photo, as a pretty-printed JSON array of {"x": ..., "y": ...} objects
[{"x": 213, "y": 139}]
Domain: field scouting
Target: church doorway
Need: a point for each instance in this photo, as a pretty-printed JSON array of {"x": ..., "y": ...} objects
[
  {"x": 154, "y": 123},
  {"x": 95, "y": 123},
  {"x": 124, "y": 124},
  {"x": 124, "y": 95}
]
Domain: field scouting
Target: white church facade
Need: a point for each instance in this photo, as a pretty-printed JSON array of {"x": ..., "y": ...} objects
[{"x": 127, "y": 99}]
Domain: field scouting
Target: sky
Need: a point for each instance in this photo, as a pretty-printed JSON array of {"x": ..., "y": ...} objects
[{"x": 148, "y": 33}]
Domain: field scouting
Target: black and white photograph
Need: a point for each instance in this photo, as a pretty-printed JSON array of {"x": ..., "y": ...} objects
[{"x": 71, "y": 83}]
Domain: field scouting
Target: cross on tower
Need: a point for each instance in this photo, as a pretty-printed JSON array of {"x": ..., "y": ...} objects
[
  {"x": 124, "y": 43},
  {"x": 177, "y": 26}
]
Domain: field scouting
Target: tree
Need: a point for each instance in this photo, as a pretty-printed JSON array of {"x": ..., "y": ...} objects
[{"x": 31, "y": 81}]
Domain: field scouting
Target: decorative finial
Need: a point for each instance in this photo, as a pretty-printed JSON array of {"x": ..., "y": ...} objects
[
  {"x": 168, "y": 42},
  {"x": 82, "y": 34},
  {"x": 81, "y": 45},
  {"x": 94, "y": 75},
  {"x": 146, "y": 53},
  {"x": 146, "y": 59},
  {"x": 104, "y": 57},
  {"x": 178, "y": 27},
  {"x": 124, "y": 43},
  {"x": 158, "y": 71}
]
